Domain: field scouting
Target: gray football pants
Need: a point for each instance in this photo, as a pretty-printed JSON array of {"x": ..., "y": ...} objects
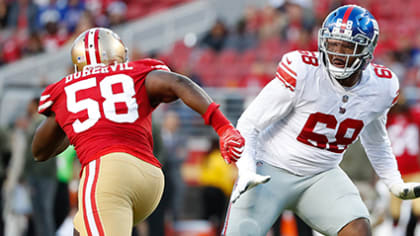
[{"x": 327, "y": 202}]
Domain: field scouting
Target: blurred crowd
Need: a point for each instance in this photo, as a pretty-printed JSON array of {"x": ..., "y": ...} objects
[
  {"x": 246, "y": 54},
  {"x": 29, "y": 27},
  {"x": 243, "y": 55}
]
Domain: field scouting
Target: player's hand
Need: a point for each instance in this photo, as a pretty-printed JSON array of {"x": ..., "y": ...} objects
[
  {"x": 246, "y": 181},
  {"x": 406, "y": 190},
  {"x": 231, "y": 143}
]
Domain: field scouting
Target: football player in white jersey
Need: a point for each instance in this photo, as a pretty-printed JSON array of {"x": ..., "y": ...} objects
[{"x": 299, "y": 126}]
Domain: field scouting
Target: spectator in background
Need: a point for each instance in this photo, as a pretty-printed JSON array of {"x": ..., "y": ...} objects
[
  {"x": 17, "y": 206},
  {"x": 404, "y": 129},
  {"x": 257, "y": 77},
  {"x": 174, "y": 145},
  {"x": 65, "y": 162},
  {"x": 156, "y": 221},
  {"x": 241, "y": 39},
  {"x": 11, "y": 49},
  {"x": 4, "y": 13},
  {"x": 299, "y": 24},
  {"x": 54, "y": 37},
  {"x": 72, "y": 14},
  {"x": 304, "y": 41},
  {"x": 33, "y": 45},
  {"x": 50, "y": 12},
  {"x": 216, "y": 190},
  {"x": 391, "y": 59},
  {"x": 85, "y": 22},
  {"x": 22, "y": 19},
  {"x": 415, "y": 51},
  {"x": 116, "y": 12},
  {"x": 272, "y": 23},
  {"x": 4, "y": 160},
  {"x": 215, "y": 39},
  {"x": 40, "y": 178},
  {"x": 23, "y": 16}
]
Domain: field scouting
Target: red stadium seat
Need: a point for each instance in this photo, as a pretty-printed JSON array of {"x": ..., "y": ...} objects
[
  {"x": 206, "y": 58},
  {"x": 227, "y": 57},
  {"x": 180, "y": 56},
  {"x": 205, "y": 67},
  {"x": 135, "y": 11}
]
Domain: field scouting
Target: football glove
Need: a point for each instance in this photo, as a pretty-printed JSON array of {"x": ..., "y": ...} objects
[
  {"x": 246, "y": 181},
  {"x": 231, "y": 143},
  {"x": 406, "y": 190}
]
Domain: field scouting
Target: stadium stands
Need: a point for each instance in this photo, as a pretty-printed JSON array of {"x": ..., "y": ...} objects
[{"x": 231, "y": 75}]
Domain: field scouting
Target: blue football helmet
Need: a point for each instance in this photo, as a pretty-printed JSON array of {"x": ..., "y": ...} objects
[{"x": 353, "y": 24}]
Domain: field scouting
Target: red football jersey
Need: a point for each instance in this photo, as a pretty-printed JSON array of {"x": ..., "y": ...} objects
[
  {"x": 105, "y": 109},
  {"x": 403, "y": 132}
]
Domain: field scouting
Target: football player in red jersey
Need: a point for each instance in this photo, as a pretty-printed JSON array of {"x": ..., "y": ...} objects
[
  {"x": 404, "y": 129},
  {"x": 104, "y": 109}
]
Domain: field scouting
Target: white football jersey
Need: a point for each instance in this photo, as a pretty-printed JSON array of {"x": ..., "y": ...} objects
[{"x": 303, "y": 120}]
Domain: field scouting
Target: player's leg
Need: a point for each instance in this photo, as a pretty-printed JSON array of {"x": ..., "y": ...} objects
[
  {"x": 257, "y": 209},
  {"x": 80, "y": 220},
  {"x": 411, "y": 225},
  {"x": 333, "y": 206},
  {"x": 395, "y": 208},
  {"x": 359, "y": 227},
  {"x": 109, "y": 190},
  {"x": 415, "y": 207},
  {"x": 149, "y": 189}
]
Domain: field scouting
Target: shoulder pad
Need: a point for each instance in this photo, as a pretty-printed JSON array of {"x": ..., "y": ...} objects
[
  {"x": 387, "y": 79},
  {"x": 47, "y": 99},
  {"x": 152, "y": 63},
  {"x": 294, "y": 65},
  {"x": 286, "y": 70}
]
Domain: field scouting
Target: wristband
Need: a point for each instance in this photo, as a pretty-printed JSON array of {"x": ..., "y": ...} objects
[{"x": 214, "y": 117}]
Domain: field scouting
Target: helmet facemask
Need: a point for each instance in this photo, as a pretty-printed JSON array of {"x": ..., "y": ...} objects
[
  {"x": 355, "y": 33},
  {"x": 358, "y": 58}
]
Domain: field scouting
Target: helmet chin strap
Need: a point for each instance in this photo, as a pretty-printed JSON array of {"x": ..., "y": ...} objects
[{"x": 342, "y": 73}]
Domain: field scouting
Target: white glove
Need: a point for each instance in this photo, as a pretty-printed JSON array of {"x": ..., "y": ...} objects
[
  {"x": 406, "y": 190},
  {"x": 246, "y": 181}
]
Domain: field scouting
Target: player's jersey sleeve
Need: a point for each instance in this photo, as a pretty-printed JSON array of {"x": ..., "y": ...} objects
[
  {"x": 287, "y": 70},
  {"x": 394, "y": 90},
  {"x": 152, "y": 64},
  {"x": 277, "y": 98},
  {"x": 273, "y": 103},
  {"x": 47, "y": 99},
  {"x": 375, "y": 138},
  {"x": 377, "y": 145}
]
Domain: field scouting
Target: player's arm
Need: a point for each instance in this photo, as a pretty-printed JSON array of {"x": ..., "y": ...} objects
[
  {"x": 163, "y": 87},
  {"x": 273, "y": 103},
  {"x": 377, "y": 145},
  {"x": 49, "y": 140}
]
